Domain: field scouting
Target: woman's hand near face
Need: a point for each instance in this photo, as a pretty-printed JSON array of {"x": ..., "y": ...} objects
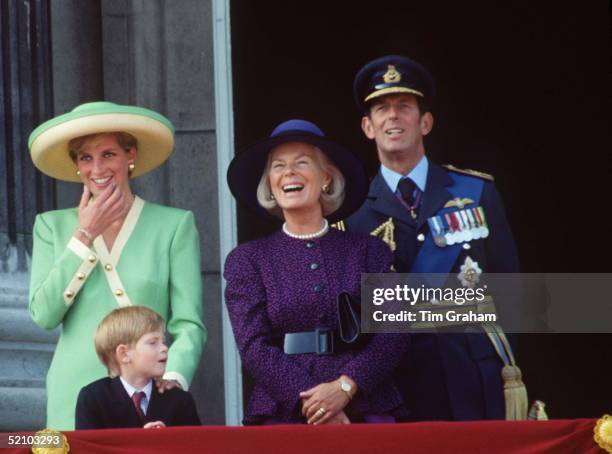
[{"x": 108, "y": 207}]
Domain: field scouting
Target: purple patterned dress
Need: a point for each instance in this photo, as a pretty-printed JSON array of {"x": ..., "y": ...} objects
[{"x": 279, "y": 285}]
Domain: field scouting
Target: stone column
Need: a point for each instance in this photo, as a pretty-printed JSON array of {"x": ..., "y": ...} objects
[
  {"x": 34, "y": 88},
  {"x": 25, "y": 101}
]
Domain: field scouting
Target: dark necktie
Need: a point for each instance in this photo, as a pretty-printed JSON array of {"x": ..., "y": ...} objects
[
  {"x": 137, "y": 398},
  {"x": 407, "y": 189}
]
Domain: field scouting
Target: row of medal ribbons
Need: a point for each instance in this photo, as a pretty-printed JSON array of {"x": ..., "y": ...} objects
[{"x": 458, "y": 226}]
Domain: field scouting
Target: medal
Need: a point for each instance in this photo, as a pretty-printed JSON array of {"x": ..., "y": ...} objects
[
  {"x": 439, "y": 237},
  {"x": 440, "y": 241},
  {"x": 450, "y": 234},
  {"x": 414, "y": 207},
  {"x": 467, "y": 229},
  {"x": 463, "y": 227},
  {"x": 485, "y": 229},
  {"x": 457, "y": 227},
  {"x": 479, "y": 221},
  {"x": 476, "y": 234},
  {"x": 437, "y": 231}
]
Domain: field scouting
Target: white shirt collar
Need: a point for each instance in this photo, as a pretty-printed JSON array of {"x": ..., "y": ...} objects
[
  {"x": 418, "y": 175},
  {"x": 131, "y": 390}
]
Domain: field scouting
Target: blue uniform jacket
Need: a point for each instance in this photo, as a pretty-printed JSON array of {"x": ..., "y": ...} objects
[{"x": 445, "y": 376}]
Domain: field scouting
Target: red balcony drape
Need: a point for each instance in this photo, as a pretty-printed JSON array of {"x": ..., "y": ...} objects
[{"x": 499, "y": 437}]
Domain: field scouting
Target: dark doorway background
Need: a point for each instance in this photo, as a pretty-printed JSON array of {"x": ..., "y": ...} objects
[{"x": 523, "y": 93}]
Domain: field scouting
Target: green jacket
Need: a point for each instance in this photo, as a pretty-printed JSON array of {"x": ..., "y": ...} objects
[{"x": 154, "y": 262}]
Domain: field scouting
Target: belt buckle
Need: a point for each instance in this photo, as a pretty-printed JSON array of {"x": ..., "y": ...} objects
[{"x": 324, "y": 341}]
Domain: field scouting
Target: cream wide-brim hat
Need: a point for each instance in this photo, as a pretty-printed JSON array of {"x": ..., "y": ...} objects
[{"x": 49, "y": 142}]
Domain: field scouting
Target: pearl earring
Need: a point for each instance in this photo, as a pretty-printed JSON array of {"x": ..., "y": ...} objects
[
  {"x": 132, "y": 166},
  {"x": 325, "y": 189},
  {"x": 271, "y": 196},
  {"x": 78, "y": 173}
]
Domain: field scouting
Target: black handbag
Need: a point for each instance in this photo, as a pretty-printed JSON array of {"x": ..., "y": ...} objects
[{"x": 349, "y": 318}]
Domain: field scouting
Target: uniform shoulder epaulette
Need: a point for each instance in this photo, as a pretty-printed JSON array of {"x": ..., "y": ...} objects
[
  {"x": 339, "y": 226},
  {"x": 474, "y": 173}
]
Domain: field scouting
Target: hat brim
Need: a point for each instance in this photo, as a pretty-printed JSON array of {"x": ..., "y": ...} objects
[
  {"x": 391, "y": 91},
  {"x": 246, "y": 169},
  {"x": 49, "y": 142}
]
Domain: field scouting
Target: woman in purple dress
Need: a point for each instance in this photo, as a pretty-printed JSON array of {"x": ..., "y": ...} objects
[{"x": 281, "y": 290}]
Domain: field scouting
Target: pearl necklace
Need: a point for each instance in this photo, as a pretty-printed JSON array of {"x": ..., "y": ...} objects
[{"x": 307, "y": 236}]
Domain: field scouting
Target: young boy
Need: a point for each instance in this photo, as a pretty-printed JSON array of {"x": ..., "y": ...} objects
[{"x": 130, "y": 343}]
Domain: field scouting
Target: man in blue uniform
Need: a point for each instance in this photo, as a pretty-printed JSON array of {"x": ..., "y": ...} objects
[{"x": 437, "y": 220}]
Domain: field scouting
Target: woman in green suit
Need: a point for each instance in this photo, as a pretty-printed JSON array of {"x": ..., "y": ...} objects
[{"x": 113, "y": 250}]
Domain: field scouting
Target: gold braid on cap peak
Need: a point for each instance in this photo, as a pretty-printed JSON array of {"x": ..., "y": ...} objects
[
  {"x": 392, "y": 90},
  {"x": 474, "y": 173}
]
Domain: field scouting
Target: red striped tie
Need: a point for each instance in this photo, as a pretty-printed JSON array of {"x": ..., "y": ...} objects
[{"x": 137, "y": 398}]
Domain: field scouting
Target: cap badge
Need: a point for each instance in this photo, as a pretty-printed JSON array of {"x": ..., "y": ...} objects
[{"x": 392, "y": 75}]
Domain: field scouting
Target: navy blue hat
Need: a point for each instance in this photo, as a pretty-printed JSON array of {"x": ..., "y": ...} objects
[
  {"x": 390, "y": 75},
  {"x": 246, "y": 169}
]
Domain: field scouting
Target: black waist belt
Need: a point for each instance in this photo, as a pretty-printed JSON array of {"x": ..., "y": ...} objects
[{"x": 320, "y": 341}]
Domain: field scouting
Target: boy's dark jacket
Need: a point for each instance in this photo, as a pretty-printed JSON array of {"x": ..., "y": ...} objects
[{"x": 104, "y": 404}]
